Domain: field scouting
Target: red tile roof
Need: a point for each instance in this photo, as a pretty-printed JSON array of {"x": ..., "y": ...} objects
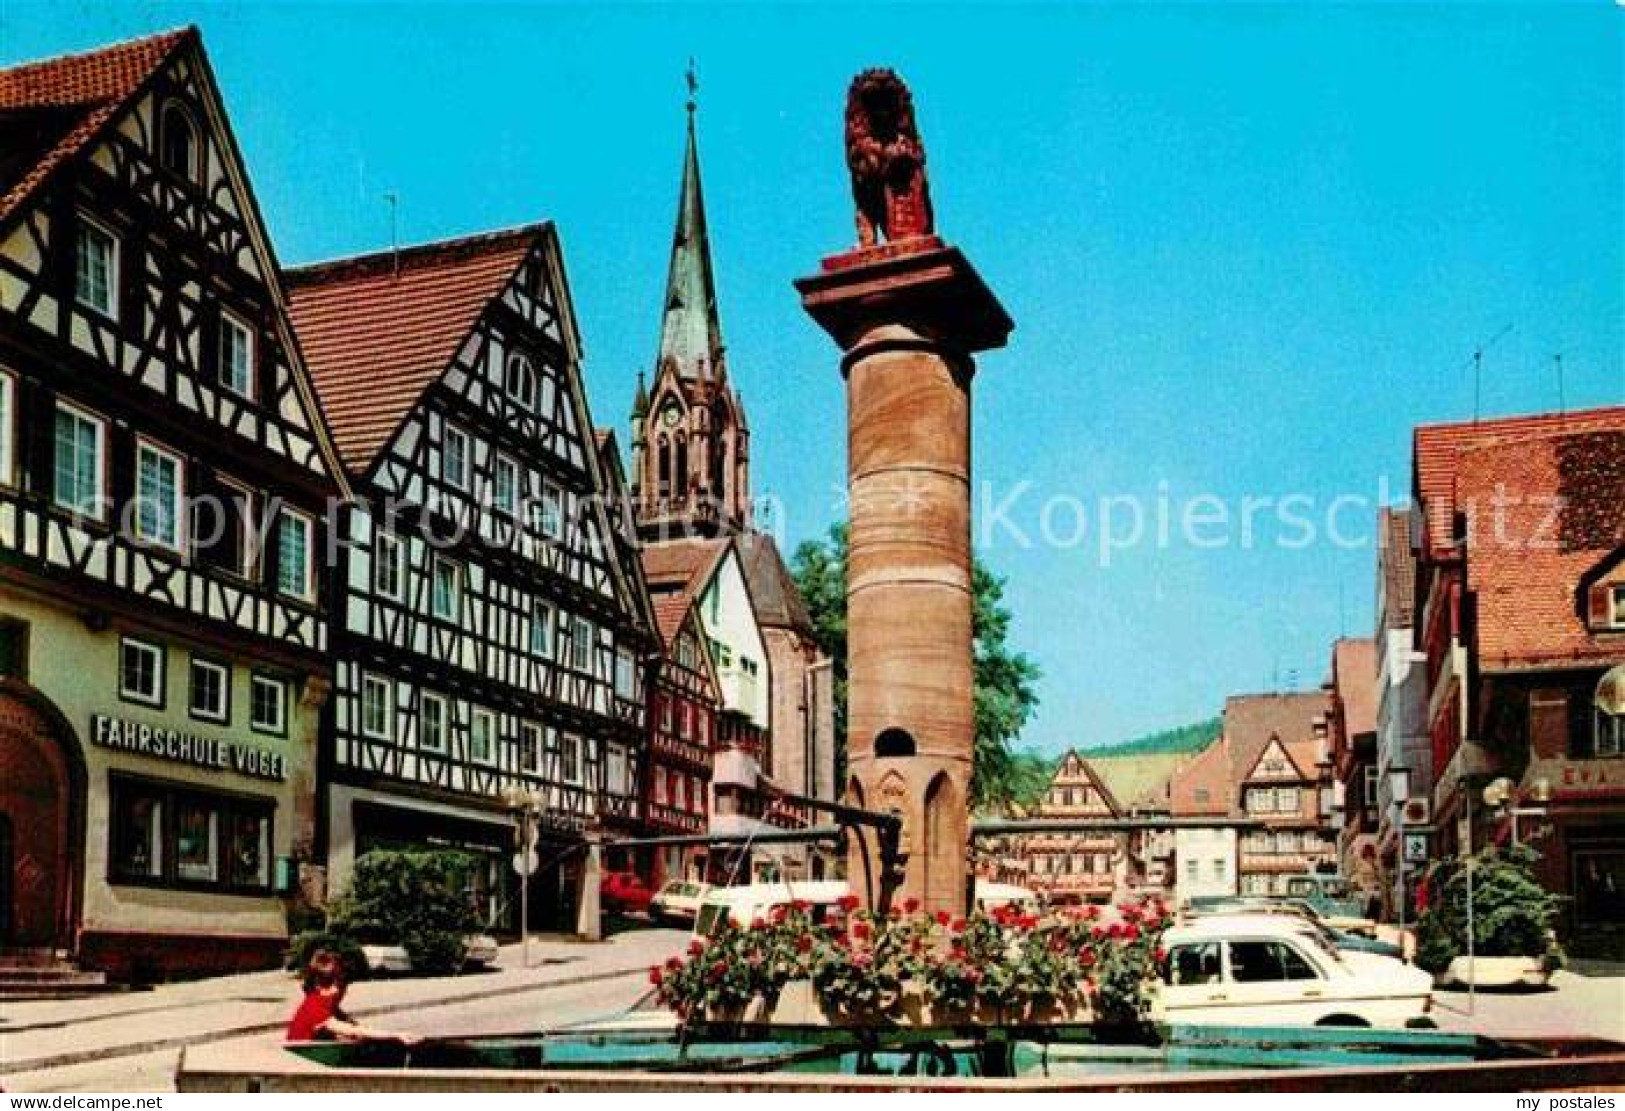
[
  {"x": 1252, "y": 721},
  {"x": 1354, "y": 674},
  {"x": 1436, "y": 449},
  {"x": 1398, "y": 560},
  {"x": 379, "y": 329},
  {"x": 676, "y": 571},
  {"x": 1202, "y": 787},
  {"x": 82, "y": 92},
  {"x": 1543, "y": 512}
]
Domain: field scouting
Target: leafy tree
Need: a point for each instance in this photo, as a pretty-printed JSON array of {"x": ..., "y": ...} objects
[{"x": 1005, "y": 679}]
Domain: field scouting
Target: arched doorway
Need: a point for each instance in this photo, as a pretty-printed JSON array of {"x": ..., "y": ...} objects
[{"x": 41, "y": 808}]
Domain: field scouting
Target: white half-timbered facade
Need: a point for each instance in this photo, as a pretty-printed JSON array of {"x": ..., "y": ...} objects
[
  {"x": 165, "y": 480},
  {"x": 492, "y": 636}
]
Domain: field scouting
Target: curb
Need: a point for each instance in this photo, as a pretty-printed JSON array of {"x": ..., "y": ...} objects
[{"x": 136, "y": 1049}]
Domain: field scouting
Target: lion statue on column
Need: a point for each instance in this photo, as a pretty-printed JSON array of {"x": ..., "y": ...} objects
[{"x": 887, "y": 160}]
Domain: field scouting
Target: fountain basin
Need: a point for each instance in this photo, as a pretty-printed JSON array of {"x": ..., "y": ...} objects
[{"x": 985, "y": 1059}]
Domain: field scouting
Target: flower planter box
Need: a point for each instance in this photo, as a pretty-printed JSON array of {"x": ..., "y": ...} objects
[
  {"x": 1498, "y": 972},
  {"x": 798, "y": 1005}
]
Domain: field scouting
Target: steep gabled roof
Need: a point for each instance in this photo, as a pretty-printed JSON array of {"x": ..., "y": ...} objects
[
  {"x": 772, "y": 587},
  {"x": 677, "y": 572},
  {"x": 1139, "y": 781},
  {"x": 53, "y": 109},
  {"x": 1253, "y": 721},
  {"x": 1436, "y": 450},
  {"x": 379, "y": 329}
]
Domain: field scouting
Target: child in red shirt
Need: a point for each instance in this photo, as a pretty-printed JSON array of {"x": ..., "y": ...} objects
[{"x": 321, "y": 1015}]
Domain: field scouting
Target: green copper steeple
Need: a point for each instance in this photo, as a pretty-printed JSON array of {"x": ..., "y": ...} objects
[{"x": 690, "y": 332}]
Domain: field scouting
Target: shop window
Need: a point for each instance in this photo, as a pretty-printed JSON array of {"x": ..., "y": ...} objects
[
  {"x": 141, "y": 672},
  {"x": 1599, "y": 885},
  {"x": 173, "y": 835}
]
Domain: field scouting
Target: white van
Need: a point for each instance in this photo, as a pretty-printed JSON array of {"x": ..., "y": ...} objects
[{"x": 746, "y": 904}]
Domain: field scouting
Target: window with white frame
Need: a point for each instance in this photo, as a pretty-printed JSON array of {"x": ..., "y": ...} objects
[
  {"x": 1286, "y": 800},
  {"x": 141, "y": 672},
  {"x": 95, "y": 268},
  {"x": 79, "y": 462},
  {"x": 570, "y": 758},
  {"x": 551, "y": 510},
  {"x": 378, "y": 707},
  {"x": 268, "y": 704},
  {"x": 236, "y": 355},
  {"x": 388, "y": 567},
  {"x": 541, "y": 629},
  {"x": 159, "y": 494},
  {"x": 210, "y": 690},
  {"x": 625, "y": 674},
  {"x": 521, "y": 381},
  {"x": 1616, "y": 597},
  {"x": 447, "y": 590},
  {"x": 432, "y": 723},
  {"x": 530, "y": 748},
  {"x": 295, "y": 574},
  {"x": 505, "y": 486},
  {"x": 482, "y": 737},
  {"x": 8, "y": 429},
  {"x": 581, "y": 644},
  {"x": 454, "y": 457}
]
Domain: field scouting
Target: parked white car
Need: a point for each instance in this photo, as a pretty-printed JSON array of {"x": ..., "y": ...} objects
[
  {"x": 1259, "y": 970},
  {"x": 480, "y": 950},
  {"x": 678, "y": 903}
]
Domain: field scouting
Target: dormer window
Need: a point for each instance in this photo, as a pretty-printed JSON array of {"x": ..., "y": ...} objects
[
  {"x": 177, "y": 143},
  {"x": 1605, "y": 607}
]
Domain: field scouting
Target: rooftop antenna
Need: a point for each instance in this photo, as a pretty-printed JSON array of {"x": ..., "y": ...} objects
[
  {"x": 1478, "y": 367},
  {"x": 1557, "y": 364},
  {"x": 393, "y": 199}
]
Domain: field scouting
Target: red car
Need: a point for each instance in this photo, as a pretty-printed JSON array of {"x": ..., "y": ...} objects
[{"x": 624, "y": 892}]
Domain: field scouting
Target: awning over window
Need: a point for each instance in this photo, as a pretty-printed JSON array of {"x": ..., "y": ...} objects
[{"x": 1611, "y": 692}]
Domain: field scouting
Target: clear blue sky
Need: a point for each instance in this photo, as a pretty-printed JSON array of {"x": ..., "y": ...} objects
[{"x": 1246, "y": 248}]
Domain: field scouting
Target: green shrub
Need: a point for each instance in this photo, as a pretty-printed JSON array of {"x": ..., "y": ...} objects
[
  {"x": 301, "y": 947},
  {"x": 413, "y": 899},
  {"x": 1512, "y": 912}
]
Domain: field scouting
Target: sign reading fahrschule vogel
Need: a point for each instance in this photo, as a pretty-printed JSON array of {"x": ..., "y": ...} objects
[{"x": 186, "y": 748}]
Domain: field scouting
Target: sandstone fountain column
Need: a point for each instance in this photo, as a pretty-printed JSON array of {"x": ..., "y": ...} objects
[{"x": 909, "y": 314}]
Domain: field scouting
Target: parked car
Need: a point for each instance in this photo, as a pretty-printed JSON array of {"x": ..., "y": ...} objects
[
  {"x": 1265, "y": 970},
  {"x": 678, "y": 902},
  {"x": 1334, "y": 900},
  {"x": 1343, "y": 940},
  {"x": 479, "y": 950},
  {"x": 624, "y": 893}
]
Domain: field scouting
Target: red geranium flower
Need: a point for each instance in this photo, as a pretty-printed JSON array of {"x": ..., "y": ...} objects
[
  {"x": 804, "y": 943},
  {"x": 957, "y": 925},
  {"x": 654, "y": 976},
  {"x": 696, "y": 947},
  {"x": 943, "y": 917},
  {"x": 847, "y": 902},
  {"x": 910, "y": 905},
  {"x": 860, "y": 930}
]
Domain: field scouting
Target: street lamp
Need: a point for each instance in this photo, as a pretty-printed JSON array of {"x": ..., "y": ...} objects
[
  {"x": 1501, "y": 796},
  {"x": 1399, "y": 791},
  {"x": 526, "y": 806}
]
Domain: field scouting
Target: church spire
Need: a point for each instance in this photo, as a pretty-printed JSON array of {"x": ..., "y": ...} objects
[{"x": 690, "y": 332}]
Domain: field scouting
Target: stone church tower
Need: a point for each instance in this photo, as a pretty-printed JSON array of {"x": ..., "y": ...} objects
[
  {"x": 690, "y": 442},
  {"x": 691, "y": 479}
]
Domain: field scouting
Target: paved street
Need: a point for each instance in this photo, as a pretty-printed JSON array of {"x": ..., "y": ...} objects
[
  {"x": 131, "y": 1042},
  {"x": 1587, "y": 999}
]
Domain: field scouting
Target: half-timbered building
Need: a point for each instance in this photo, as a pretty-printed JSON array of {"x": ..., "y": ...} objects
[
  {"x": 491, "y": 642},
  {"x": 164, "y": 486},
  {"x": 683, "y": 713}
]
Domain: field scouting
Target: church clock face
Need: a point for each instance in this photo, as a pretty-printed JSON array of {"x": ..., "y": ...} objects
[{"x": 669, "y": 416}]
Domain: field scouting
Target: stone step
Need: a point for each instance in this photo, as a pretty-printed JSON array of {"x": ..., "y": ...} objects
[
  {"x": 28, "y": 958},
  {"x": 54, "y": 974}
]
